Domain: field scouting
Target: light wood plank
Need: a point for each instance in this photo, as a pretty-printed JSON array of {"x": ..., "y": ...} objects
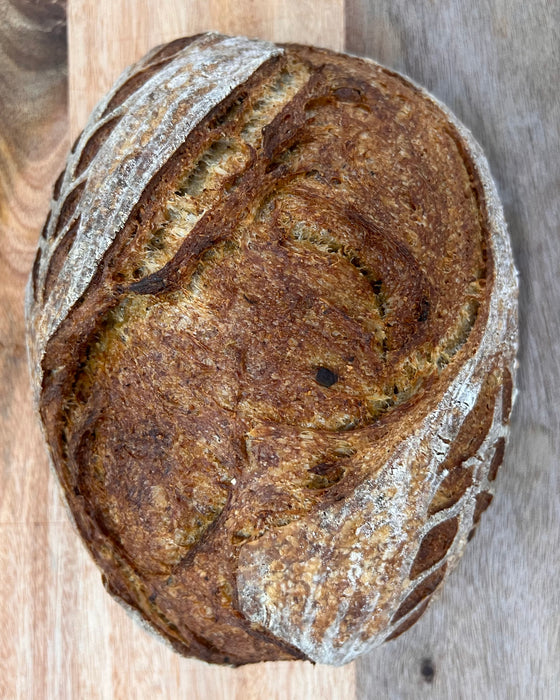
[{"x": 104, "y": 37}]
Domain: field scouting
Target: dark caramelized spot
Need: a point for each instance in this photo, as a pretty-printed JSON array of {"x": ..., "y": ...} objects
[
  {"x": 76, "y": 142},
  {"x": 58, "y": 185},
  {"x": 425, "y": 589},
  {"x": 424, "y": 310},
  {"x": 507, "y": 393},
  {"x": 325, "y": 377},
  {"x": 483, "y": 500},
  {"x": 434, "y": 546},
  {"x": 497, "y": 459},
  {"x": 475, "y": 426},
  {"x": 93, "y": 145},
  {"x": 410, "y": 621},
  {"x": 153, "y": 284},
  {"x": 68, "y": 209},
  {"x": 46, "y": 226},
  {"x": 451, "y": 490},
  {"x": 35, "y": 273},
  {"x": 59, "y": 256}
]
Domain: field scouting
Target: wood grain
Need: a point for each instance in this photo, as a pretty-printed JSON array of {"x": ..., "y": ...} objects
[
  {"x": 495, "y": 631},
  {"x": 33, "y": 144}
]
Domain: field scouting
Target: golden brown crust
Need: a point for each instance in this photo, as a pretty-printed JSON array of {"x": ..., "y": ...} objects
[{"x": 289, "y": 300}]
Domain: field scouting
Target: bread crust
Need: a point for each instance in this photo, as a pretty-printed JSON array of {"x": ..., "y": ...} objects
[{"x": 272, "y": 331}]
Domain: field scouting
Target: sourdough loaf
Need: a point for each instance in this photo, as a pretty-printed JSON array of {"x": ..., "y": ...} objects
[{"x": 272, "y": 332}]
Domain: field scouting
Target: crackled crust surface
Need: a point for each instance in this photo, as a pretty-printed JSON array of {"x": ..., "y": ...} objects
[{"x": 273, "y": 326}]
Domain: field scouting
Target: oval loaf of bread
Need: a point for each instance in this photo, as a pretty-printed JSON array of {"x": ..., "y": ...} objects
[{"x": 272, "y": 330}]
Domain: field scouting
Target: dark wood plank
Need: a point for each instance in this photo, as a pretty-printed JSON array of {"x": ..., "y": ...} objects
[
  {"x": 33, "y": 143},
  {"x": 494, "y": 633}
]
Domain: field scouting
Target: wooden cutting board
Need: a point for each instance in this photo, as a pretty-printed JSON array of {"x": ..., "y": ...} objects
[{"x": 494, "y": 632}]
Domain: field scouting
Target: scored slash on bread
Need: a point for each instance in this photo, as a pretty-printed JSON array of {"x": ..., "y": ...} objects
[{"x": 272, "y": 331}]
